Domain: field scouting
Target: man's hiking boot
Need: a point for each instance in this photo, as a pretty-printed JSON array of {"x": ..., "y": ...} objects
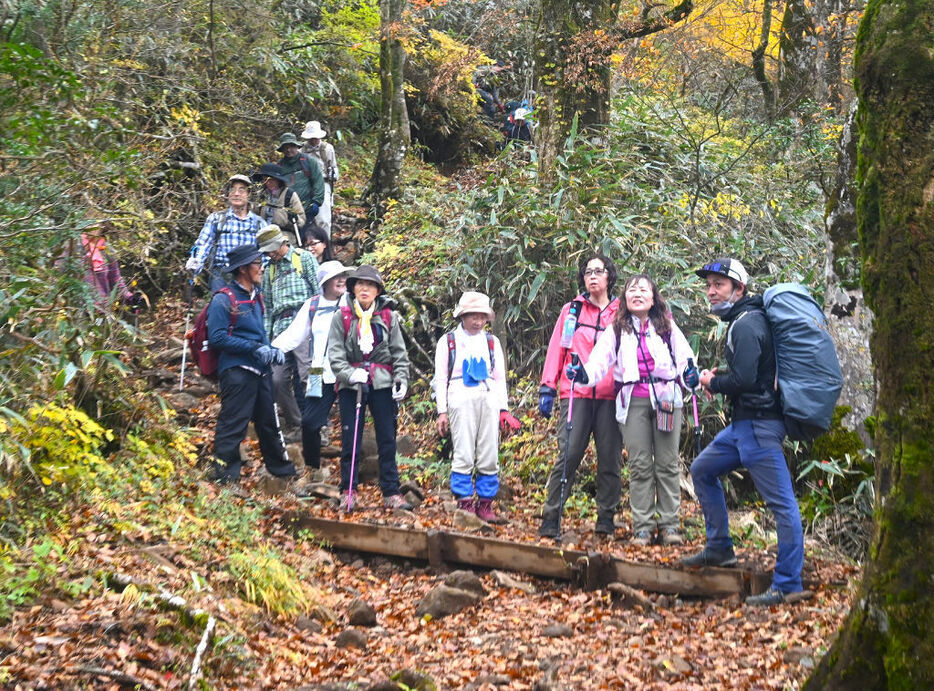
[
  {"x": 550, "y": 528},
  {"x": 767, "y": 599},
  {"x": 466, "y": 504},
  {"x": 347, "y": 502},
  {"x": 710, "y": 557},
  {"x": 643, "y": 538},
  {"x": 484, "y": 510},
  {"x": 670, "y": 536},
  {"x": 396, "y": 501},
  {"x": 605, "y": 525}
]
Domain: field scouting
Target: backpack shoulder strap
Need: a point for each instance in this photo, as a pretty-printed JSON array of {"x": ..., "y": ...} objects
[
  {"x": 489, "y": 344},
  {"x": 452, "y": 350},
  {"x": 346, "y": 317},
  {"x": 234, "y": 304}
]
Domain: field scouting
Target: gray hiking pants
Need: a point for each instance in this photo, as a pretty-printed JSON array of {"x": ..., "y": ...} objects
[
  {"x": 654, "y": 484},
  {"x": 591, "y": 417}
]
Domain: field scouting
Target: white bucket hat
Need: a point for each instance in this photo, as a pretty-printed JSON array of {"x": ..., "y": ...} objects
[
  {"x": 331, "y": 269},
  {"x": 474, "y": 302},
  {"x": 520, "y": 114},
  {"x": 313, "y": 130}
]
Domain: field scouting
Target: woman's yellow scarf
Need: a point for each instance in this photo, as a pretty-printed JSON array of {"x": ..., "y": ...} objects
[{"x": 364, "y": 328}]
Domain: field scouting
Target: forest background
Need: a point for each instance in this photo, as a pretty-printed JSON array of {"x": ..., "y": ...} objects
[{"x": 703, "y": 130}]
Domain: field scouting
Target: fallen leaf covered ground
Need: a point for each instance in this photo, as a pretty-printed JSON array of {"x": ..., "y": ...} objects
[{"x": 118, "y": 636}]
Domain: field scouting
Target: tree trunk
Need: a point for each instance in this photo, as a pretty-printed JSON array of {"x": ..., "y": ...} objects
[
  {"x": 572, "y": 73},
  {"x": 393, "y": 117},
  {"x": 796, "y": 56},
  {"x": 575, "y": 40},
  {"x": 887, "y": 641},
  {"x": 758, "y": 61}
]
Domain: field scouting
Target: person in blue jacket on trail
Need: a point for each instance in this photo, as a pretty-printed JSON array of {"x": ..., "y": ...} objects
[{"x": 243, "y": 370}]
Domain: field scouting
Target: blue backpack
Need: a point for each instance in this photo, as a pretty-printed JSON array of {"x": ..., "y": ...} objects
[{"x": 808, "y": 375}]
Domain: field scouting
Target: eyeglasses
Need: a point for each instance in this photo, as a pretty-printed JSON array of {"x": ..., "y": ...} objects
[
  {"x": 315, "y": 242},
  {"x": 258, "y": 262},
  {"x": 594, "y": 272}
]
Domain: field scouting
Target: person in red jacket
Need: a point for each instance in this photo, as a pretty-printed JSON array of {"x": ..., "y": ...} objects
[{"x": 594, "y": 411}]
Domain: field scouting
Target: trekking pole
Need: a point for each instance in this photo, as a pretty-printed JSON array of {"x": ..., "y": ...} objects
[
  {"x": 575, "y": 360},
  {"x": 285, "y": 451},
  {"x": 697, "y": 431},
  {"x": 188, "y": 298},
  {"x": 353, "y": 452}
]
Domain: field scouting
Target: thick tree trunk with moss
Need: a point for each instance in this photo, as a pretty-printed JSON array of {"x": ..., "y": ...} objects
[
  {"x": 394, "y": 138},
  {"x": 887, "y": 641},
  {"x": 575, "y": 40}
]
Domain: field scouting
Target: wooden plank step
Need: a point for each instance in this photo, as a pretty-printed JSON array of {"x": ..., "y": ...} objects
[{"x": 590, "y": 571}]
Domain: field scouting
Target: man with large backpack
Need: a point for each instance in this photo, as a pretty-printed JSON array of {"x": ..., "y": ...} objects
[
  {"x": 302, "y": 173},
  {"x": 753, "y": 439}
]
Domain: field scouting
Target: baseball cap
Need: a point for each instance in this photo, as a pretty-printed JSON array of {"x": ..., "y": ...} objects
[{"x": 731, "y": 268}]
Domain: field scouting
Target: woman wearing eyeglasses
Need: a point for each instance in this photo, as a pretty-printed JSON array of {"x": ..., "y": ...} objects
[
  {"x": 594, "y": 413},
  {"x": 317, "y": 242}
]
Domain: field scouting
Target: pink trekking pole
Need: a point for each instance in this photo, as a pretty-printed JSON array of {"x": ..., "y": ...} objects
[
  {"x": 575, "y": 361},
  {"x": 353, "y": 453}
]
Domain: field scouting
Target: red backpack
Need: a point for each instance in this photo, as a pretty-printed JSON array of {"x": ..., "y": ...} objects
[{"x": 205, "y": 356}]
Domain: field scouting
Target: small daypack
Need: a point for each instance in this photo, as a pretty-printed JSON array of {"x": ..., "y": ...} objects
[
  {"x": 205, "y": 356},
  {"x": 452, "y": 350},
  {"x": 807, "y": 371}
]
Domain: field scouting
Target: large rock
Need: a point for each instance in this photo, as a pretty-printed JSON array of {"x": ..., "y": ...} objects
[
  {"x": 466, "y": 580},
  {"x": 444, "y": 600},
  {"x": 361, "y": 613},
  {"x": 351, "y": 638}
]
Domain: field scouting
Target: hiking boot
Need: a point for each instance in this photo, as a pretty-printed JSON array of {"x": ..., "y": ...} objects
[
  {"x": 643, "y": 538},
  {"x": 671, "y": 536},
  {"x": 348, "y": 502},
  {"x": 550, "y": 528},
  {"x": 396, "y": 501},
  {"x": 466, "y": 504},
  {"x": 485, "y": 512},
  {"x": 605, "y": 525},
  {"x": 767, "y": 599},
  {"x": 711, "y": 557}
]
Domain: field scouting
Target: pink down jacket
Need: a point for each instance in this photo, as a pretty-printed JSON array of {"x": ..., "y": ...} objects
[{"x": 592, "y": 322}]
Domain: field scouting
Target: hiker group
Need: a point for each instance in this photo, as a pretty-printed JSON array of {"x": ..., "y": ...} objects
[{"x": 293, "y": 331}]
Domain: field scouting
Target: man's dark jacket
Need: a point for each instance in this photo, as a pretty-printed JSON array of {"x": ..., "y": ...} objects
[{"x": 750, "y": 354}]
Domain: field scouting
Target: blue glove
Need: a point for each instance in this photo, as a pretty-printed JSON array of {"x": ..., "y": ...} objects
[
  {"x": 313, "y": 211},
  {"x": 546, "y": 401},
  {"x": 265, "y": 354},
  {"x": 690, "y": 376},
  {"x": 577, "y": 373},
  {"x": 278, "y": 357}
]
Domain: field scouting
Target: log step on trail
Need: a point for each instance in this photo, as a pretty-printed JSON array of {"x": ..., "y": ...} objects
[{"x": 591, "y": 570}]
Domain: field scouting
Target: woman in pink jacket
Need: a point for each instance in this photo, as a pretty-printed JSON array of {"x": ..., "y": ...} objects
[
  {"x": 581, "y": 323},
  {"x": 646, "y": 353}
]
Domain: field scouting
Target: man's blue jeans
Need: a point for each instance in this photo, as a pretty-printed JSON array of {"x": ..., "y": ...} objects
[{"x": 757, "y": 446}]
